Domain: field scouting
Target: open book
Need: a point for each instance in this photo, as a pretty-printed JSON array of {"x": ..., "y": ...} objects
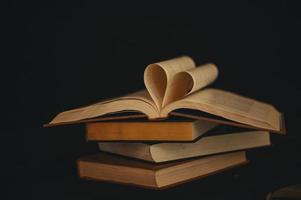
[{"x": 179, "y": 84}]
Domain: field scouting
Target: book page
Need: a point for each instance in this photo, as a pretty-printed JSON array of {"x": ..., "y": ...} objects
[
  {"x": 139, "y": 101},
  {"x": 230, "y": 106},
  {"x": 189, "y": 81},
  {"x": 157, "y": 76}
]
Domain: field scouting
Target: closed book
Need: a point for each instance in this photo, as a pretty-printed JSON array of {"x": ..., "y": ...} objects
[
  {"x": 108, "y": 167},
  {"x": 187, "y": 130},
  {"x": 207, "y": 145}
]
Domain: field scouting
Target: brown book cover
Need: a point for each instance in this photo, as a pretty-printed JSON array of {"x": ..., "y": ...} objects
[
  {"x": 112, "y": 168},
  {"x": 184, "y": 130}
]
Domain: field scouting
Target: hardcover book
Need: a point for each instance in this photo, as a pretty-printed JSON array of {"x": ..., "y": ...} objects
[
  {"x": 184, "y": 130},
  {"x": 207, "y": 145},
  {"x": 179, "y": 84},
  {"x": 105, "y": 167}
]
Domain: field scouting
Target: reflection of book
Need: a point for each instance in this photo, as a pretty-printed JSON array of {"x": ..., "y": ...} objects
[
  {"x": 176, "y": 84},
  {"x": 160, "y": 152},
  {"x": 184, "y": 130},
  {"x": 113, "y": 168}
]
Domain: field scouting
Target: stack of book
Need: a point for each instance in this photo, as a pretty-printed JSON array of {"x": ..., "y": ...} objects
[{"x": 175, "y": 131}]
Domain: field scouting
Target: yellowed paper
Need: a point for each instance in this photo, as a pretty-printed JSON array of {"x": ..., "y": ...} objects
[
  {"x": 158, "y": 76},
  {"x": 178, "y": 83},
  {"x": 138, "y": 101},
  {"x": 230, "y": 106},
  {"x": 189, "y": 81}
]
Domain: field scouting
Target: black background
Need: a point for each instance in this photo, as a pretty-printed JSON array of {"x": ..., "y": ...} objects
[{"x": 62, "y": 56}]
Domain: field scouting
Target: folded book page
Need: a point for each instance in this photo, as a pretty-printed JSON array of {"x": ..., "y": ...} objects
[
  {"x": 189, "y": 81},
  {"x": 158, "y": 76}
]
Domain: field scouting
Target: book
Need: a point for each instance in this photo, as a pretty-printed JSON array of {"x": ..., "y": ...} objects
[
  {"x": 291, "y": 192},
  {"x": 207, "y": 145},
  {"x": 112, "y": 168},
  {"x": 185, "y": 130},
  {"x": 178, "y": 84}
]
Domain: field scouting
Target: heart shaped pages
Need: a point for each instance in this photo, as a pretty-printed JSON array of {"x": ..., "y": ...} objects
[
  {"x": 178, "y": 84},
  {"x": 171, "y": 80}
]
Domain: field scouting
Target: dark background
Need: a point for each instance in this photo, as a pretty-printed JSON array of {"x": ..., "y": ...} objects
[{"x": 57, "y": 57}]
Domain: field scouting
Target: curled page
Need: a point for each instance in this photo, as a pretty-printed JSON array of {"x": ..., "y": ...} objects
[
  {"x": 158, "y": 76},
  {"x": 187, "y": 82}
]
